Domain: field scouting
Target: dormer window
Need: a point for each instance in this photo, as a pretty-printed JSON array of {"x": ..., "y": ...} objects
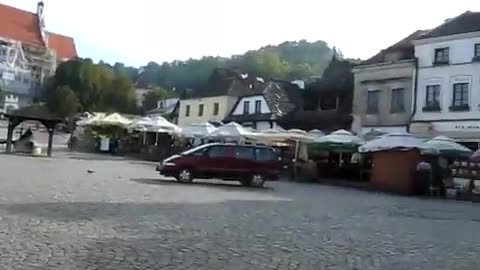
[
  {"x": 258, "y": 106},
  {"x": 442, "y": 56},
  {"x": 246, "y": 107}
]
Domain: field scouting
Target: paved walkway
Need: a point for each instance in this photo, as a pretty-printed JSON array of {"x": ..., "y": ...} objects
[{"x": 56, "y": 215}]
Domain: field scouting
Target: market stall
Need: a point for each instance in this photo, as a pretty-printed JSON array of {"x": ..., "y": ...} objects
[
  {"x": 197, "y": 134},
  {"x": 395, "y": 157},
  {"x": 333, "y": 154}
]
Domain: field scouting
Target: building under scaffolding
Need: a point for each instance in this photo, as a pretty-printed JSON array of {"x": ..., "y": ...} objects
[{"x": 28, "y": 54}]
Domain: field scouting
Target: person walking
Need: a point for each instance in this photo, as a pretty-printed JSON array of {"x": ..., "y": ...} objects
[{"x": 423, "y": 177}]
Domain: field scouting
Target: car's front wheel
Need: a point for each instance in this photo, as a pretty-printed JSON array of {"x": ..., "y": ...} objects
[{"x": 185, "y": 176}]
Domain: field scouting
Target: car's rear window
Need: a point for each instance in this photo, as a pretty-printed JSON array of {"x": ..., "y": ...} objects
[
  {"x": 264, "y": 154},
  {"x": 247, "y": 153}
]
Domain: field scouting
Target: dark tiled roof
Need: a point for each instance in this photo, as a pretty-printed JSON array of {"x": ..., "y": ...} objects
[
  {"x": 35, "y": 112},
  {"x": 164, "y": 110},
  {"x": 277, "y": 98},
  {"x": 294, "y": 93},
  {"x": 404, "y": 46},
  {"x": 464, "y": 23},
  {"x": 337, "y": 77}
]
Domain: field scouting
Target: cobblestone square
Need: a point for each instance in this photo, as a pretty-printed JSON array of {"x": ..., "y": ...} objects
[{"x": 56, "y": 215}]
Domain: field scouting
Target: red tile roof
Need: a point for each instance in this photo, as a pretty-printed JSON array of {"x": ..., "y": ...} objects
[
  {"x": 19, "y": 25},
  {"x": 23, "y": 26},
  {"x": 64, "y": 46}
]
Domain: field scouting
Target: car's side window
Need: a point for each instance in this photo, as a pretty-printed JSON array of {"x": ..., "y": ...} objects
[
  {"x": 216, "y": 151},
  {"x": 246, "y": 153},
  {"x": 199, "y": 152},
  {"x": 264, "y": 154}
]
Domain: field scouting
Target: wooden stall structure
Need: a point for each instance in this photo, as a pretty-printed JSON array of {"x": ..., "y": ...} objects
[
  {"x": 35, "y": 112},
  {"x": 394, "y": 171}
]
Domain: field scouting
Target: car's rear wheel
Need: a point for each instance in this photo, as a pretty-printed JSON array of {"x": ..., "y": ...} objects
[
  {"x": 185, "y": 176},
  {"x": 256, "y": 180}
]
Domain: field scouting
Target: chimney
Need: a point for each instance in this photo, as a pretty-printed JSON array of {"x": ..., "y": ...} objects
[
  {"x": 41, "y": 20},
  {"x": 40, "y": 15}
]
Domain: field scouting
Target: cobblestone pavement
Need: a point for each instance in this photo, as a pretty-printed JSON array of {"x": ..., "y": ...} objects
[{"x": 54, "y": 215}]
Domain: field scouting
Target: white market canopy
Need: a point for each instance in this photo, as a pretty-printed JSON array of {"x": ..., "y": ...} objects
[
  {"x": 340, "y": 137},
  {"x": 398, "y": 141},
  {"x": 90, "y": 119},
  {"x": 280, "y": 135},
  {"x": 316, "y": 133},
  {"x": 198, "y": 130},
  {"x": 140, "y": 123},
  {"x": 162, "y": 125},
  {"x": 231, "y": 130},
  {"x": 113, "y": 119},
  {"x": 448, "y": 146},
  {"x": 155, "y": 124}
]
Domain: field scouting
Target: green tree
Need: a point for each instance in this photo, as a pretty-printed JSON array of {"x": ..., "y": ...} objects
[
  {"x": 63, "y": 101},
  {"x": 119, "y": 96},
  {"x": 151, "y": 98},
  {"x": 96, "y": 86}
]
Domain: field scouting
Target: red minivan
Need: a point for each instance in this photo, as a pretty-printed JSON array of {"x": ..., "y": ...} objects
[{"x": 250, "y": 164}]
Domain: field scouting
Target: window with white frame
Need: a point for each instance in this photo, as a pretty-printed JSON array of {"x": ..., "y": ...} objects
[
  {"x": 460, "y": 95},
  {"x": 372, "y": 101},
  {"x": 258, "y": 106},
  {"x": 442, "y": 56},
  {"x": 398, "y": 100},
  {"x": 477, "y": 49},
  {"x": 246, "y": 107},
  {"x": 432, "y": 97}
]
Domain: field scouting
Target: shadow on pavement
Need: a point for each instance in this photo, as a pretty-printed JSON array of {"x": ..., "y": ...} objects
[{"x": 221, "y": 185}]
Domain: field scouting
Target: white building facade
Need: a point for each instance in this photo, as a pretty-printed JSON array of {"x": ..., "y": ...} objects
[
  {"x": 254, "y": 107},
  {"x": 448, "y": 84}
]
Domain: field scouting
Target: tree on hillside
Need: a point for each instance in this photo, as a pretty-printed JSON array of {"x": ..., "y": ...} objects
[
  {"x": 151, "y": 98},
  {"x": 289, "y": 60}
]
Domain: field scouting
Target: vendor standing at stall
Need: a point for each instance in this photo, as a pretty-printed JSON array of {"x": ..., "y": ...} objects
[{"x": 423, "y": 177}]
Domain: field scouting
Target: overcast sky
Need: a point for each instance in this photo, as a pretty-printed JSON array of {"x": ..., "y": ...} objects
[{"x": 135, "y": 32}]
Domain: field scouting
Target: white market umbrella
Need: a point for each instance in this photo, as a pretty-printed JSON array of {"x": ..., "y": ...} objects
[
  {"x": 338, "y": 141},
  {"x": 398, "y": 141},
  {"x": 341, "y": 137},
  {"x": 315, "y": 133},
  {"x": 231, "y": 130},
  {"x": 89, "y": 120},
  {"x": 449, "y": 147},
  {"x": 297, "y": 131},
  {"x": 273, "y": 130},
  {"x": 162, "y": 125},
  {"x": 198, "y": 130},
  {"x": 113, "y": 119},
  {"x": 140, "y": 124}
]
